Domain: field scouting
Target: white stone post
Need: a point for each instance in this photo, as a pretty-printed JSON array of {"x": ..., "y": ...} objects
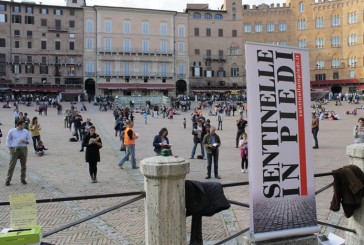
[
  {"x": 165, "y": 208},
  {"x": 356, "y": 222}
]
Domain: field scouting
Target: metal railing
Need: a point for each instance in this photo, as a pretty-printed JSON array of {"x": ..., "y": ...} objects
[{"x": 141, "y": 194}]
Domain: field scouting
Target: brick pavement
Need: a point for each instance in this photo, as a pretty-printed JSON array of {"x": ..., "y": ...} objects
[{"x": 62, "y": 171}]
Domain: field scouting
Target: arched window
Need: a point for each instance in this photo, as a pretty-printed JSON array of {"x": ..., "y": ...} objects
[
  {"x": 233, "y": 6},
  {"x": 234, "y": 70},
  {"x": 218, "y": 17},
  {"x": 197, "y": 16},
  {"x": 301, "y": 7},
  {"x": 234, "y": 16},
  {"x": 208, "y": 16}
]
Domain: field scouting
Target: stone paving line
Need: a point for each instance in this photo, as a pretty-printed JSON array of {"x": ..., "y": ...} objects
[{"x": 333, "y": 137}]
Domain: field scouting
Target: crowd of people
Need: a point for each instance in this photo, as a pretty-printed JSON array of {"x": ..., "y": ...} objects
[{"x": 28, "y": 131}]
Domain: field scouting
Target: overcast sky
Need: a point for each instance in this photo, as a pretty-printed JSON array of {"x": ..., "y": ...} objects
[{"x": 177, "y": 5}]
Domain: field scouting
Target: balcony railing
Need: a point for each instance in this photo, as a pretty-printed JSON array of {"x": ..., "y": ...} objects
[
  {"x": 214, "y": 58},
  {"x": 135, "y": 74},
  {"x": 136, "y": 51},
  {"x": 90, "y": 74}
]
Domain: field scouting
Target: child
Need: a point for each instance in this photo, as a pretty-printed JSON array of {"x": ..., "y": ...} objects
[
  {"x": 41, "y": 148},
  {"x": 184, "y": 122},
  {"x": 243, "y": 144}
]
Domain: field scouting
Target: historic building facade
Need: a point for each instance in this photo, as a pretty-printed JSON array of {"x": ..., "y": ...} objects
[
  {"x": 129, "y": 51},
  {"x": 216, "y": 48},
  {"x": 132, "y": 51},
  {"x": 331, "y": 30},
  {"x": 41, "y": 47}
]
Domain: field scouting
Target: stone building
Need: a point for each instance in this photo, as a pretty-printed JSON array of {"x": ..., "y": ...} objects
[
  {"x": 216, "y": 48},
  {"x": 41, "y": 47},
  {"x": 331, "y": 30},
  {"x": 131, "y": 51}
]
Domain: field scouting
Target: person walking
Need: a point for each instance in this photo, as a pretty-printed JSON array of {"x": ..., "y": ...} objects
[
  {"x": 34, "y": 129},
  {"x": 130, "y": 138},
  {"x": 93, "y": 144},
  {"x": 243, "y": 144},
  {"x": 315, "y": 129},
  {"x": 211, "y": 142},
  {"x": 358, "y": 132},
  {"x": 240, "y": 124},
  {"x": 145, "y": 115},
  {"x": 17, "y": 140},
  {"x": 198, "y": 133}
]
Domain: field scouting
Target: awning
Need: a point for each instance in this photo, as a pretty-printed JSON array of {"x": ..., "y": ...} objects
[
  {"x": 37, "y": 89},
  {"x": 335, "y": 82},
  {"x": 324, "y": 88},
  {"x": 76, "y": 91},
  {"x": 360, "y": 87},
  {"x": 135, "y": 86}
]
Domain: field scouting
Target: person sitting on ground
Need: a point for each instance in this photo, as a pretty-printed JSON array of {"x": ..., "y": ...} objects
[{"x": 41, "y": 148}]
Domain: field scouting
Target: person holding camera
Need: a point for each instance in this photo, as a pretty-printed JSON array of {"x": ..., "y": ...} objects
[{"x": 358, "y": 132}]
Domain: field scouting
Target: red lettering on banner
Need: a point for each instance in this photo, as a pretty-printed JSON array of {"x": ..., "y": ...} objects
[{"x": 301, "y": 124}]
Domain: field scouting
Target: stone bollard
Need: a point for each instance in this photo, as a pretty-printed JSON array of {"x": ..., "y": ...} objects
[
  {"x": 165, "y": 207},
  {"x": 356, "y": 222}
]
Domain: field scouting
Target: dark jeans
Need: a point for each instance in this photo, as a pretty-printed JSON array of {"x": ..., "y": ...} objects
[
  {"x": 219, "y": 125},
  {"x": 215, "y": 155},
  {"x": 93, "y": 169},
  {"x": 244, "y": 160},
  {"x": 314, "y": 133},
  {"x": 35, "y": 139},
  {"x": 79, "y": 134}
]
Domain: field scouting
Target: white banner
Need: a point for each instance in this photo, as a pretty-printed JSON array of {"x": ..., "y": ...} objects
[{"x": 281, "y": 178}]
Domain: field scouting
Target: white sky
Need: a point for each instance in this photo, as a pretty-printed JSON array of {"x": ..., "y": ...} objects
[{"x": 177, "y": 5}]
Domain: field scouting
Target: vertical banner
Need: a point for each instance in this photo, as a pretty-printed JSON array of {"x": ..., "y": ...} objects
[{"x": 282, "y": 190}]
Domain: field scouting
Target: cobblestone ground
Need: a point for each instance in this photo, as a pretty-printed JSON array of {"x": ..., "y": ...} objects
[
  {"x": 287, "y": 213},
  {"x": 63, "y": 172}
]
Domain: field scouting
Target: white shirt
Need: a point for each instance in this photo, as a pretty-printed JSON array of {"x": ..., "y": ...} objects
[{"x": 15, "y": 136}]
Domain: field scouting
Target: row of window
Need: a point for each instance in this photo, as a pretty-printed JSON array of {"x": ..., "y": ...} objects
[
  {"x": 207, "y": 16},
  {"x": 335, "y": 75},
  {"x": 335, "y": 41},
  {"x": 30, "y": 9},
  {"x": 338, "y": 63},
  {"x": 43, "y": 44},
  {"x": 220, "y": 32},
  {"x": 17, "y": 19},
  {"x": 43, "y": 69},
  {"x": 270, "y": 27},
  {"x": 127, "y": 45},
  {"x": 145, "y": 28},
  {"x": 90, "y": 66}
]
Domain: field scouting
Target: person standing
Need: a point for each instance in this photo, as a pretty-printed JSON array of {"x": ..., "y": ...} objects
[
  {"x": 145, "y": 115},
  {"x": 315, "y": 129},
  {"x": 17, "y": 140},
  {"x": 77, "y": 122},
  {"x": 93, "y": 144},
  {"x": 1, "y": 135},
  {"x": 358, "y": 132},
  {"x": 34, "y": 128},
  {"x": 184, "y": 123},
  {"x": 198, "y": 133},
  {"x": 85, "y": 126},
  {"x": 211, "y": 142},
  {"x": 240, "y": 124},
  {"x": 243, "y": 144},
  {"x": 219, "y": 121},
  {"x": 129, "y": 142}
]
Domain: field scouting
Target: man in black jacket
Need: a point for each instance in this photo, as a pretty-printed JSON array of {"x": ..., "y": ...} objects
[
  {"x": 240, "y": 124},
  {"x": 198, "y": 132}
]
